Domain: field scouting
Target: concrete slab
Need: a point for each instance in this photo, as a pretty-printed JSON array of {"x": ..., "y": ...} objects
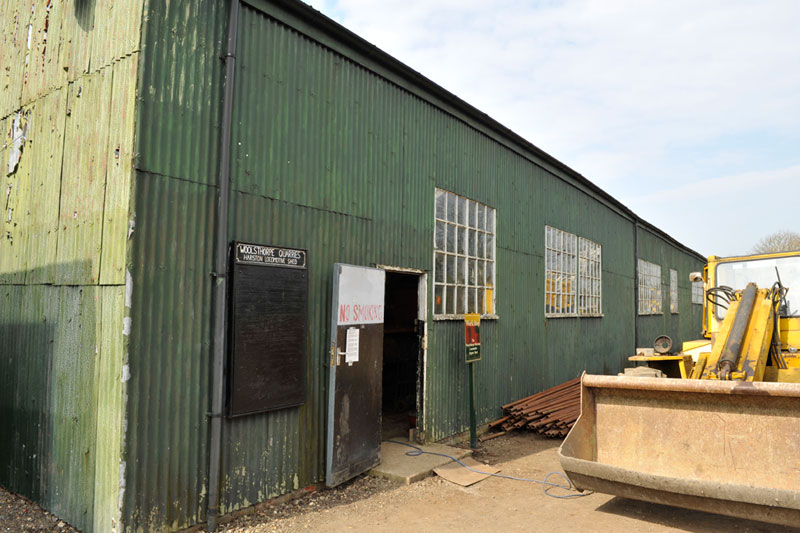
[
  {"x": 398, "y": 466},
  {"x": 456, "y": 473}
]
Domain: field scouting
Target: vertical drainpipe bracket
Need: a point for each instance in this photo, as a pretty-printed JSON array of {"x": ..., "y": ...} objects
[{"x": 220, "y": 278}]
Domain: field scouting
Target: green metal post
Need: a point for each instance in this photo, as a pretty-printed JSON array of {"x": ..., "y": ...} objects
[{"x": 473, "y": 437}]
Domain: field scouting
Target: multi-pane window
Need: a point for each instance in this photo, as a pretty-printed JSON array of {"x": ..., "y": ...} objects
[
  {"x": 673, "y": 291},
  {"x": 697, "y": 292},
  {"x": 573, "y": 279},
  {"x": 590, "y": 287},
  {"x": 649, "y": 288},
  {"x": 464, "y": 256},
  {"x": 560, "y": 279}
]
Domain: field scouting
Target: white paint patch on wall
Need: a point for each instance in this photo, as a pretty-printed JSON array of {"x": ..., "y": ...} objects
[{"x": 128, "y": 288}]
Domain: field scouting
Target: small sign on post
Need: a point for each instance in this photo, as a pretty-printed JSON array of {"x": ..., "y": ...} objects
[
  {"x": 472, "y": 353},
  {"x": 472, "y": 339}
]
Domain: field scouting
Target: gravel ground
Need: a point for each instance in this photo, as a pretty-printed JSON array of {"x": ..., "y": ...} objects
[
  {"x": 360, "y": 488},
  {"x": 19, "y": 514}
]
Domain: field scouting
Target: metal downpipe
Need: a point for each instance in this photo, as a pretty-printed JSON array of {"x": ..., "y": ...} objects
[
  {"x": 635, "y": 285},
  {"x": 220, "y": 274}
]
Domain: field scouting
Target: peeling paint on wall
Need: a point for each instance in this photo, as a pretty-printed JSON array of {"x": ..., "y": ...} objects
[
  {"x": 19, "y": 128},
  {"x": 67, "y": 155},
  {"x": 128, "y": 288}
]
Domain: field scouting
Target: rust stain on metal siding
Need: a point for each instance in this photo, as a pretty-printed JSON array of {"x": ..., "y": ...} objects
[
  {"x": 42, "y": 73},
  {"x": 13, "y": 43}
]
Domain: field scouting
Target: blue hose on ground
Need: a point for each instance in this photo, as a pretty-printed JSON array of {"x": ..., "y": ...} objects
[{"x": 547, "y": 486}]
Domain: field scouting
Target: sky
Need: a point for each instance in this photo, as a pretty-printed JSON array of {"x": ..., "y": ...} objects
[{"x": 688, "y": 112}]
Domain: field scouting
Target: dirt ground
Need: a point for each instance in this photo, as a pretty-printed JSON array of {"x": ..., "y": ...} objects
[
  {"x": 369, "y": 504},
  {"x": 494, "y": 504}
]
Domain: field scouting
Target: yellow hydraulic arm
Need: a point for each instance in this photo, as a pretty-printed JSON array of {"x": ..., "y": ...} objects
[{"x": 742, "y": 347}]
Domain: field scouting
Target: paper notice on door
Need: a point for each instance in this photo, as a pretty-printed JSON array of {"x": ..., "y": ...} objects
[{"x": 351, "y": 355}]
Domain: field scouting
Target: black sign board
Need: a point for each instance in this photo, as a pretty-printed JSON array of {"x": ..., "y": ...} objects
[
  {"x": 256, "y": 254},
  {"x": 269, "y": 328}
]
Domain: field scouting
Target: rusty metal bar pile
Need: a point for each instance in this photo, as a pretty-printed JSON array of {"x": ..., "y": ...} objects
[{"x": 550, "y": 413}]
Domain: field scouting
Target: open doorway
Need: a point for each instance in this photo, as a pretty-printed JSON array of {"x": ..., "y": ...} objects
[{"x": 403, "y": 355}]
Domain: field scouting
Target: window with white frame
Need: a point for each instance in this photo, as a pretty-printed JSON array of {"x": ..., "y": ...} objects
[
  {"x": 673, "y": 291},
  {"x": 590, "y": 286},
  {"x": 573, "y": 275},
  {"x": 464, "y": 256},
  {"x": 697, "y": 292},
  {"x": 649, "y": 288},
  {"x": 560, "y": 252}
]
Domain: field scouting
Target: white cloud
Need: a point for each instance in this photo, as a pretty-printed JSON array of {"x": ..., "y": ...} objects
[{"x": 725, "y": 215}]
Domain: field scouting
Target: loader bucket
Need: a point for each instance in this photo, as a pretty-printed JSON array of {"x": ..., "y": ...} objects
[{"x": 727, "y": 447}]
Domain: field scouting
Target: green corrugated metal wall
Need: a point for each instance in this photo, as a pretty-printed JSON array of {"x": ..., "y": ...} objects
[
  {"x": 69, "y": 74},
  {"x": 685, "y": 324},
  {"x": 177, "y": 150},
  {"x": 335, "y": 158}
]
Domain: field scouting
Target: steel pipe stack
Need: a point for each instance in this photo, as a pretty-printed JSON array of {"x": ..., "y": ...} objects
[{"x": 550, "y": 413}]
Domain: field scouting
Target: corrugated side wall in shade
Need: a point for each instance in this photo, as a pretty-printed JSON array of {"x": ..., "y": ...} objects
[
  {"x": 686, "y": 324},
  {"x": 169, "y": 354},
  {"x": 340, "y": 160},
  {"x": 67, "y": 95},
  {"x": 61, "y": 399},
  {"x": 172, "y": 246}
]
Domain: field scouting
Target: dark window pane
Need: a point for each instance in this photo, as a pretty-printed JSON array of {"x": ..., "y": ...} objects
[
  {"x": 451, "y": 207},
  {"x": 441, "y": 200},
  {"x": 440, "y": 236},
  {"x": 451, "y": 269},
  {"x": 451, "y": 301},
  {"x": 439, "y": 267},
  {"x": 451, "y": 238}
]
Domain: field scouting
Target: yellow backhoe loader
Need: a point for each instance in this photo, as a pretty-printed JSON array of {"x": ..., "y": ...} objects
[{"x": 723, "y": 437}]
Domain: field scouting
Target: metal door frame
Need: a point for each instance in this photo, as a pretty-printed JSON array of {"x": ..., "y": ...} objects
[{"x": 422, "y": 314}]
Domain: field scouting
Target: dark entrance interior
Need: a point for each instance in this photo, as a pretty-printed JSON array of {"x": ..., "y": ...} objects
[{"x": 402, "y": 355}]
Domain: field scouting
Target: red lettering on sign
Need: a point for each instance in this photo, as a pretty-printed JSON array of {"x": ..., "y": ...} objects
[{"x": 360, "y": 313}]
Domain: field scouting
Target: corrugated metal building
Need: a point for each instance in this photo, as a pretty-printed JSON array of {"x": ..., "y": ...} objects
[{"x": 115, "y": 123}]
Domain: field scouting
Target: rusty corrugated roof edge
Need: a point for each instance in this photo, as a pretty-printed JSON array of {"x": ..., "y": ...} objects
[{"x": 306, "y": 19}]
